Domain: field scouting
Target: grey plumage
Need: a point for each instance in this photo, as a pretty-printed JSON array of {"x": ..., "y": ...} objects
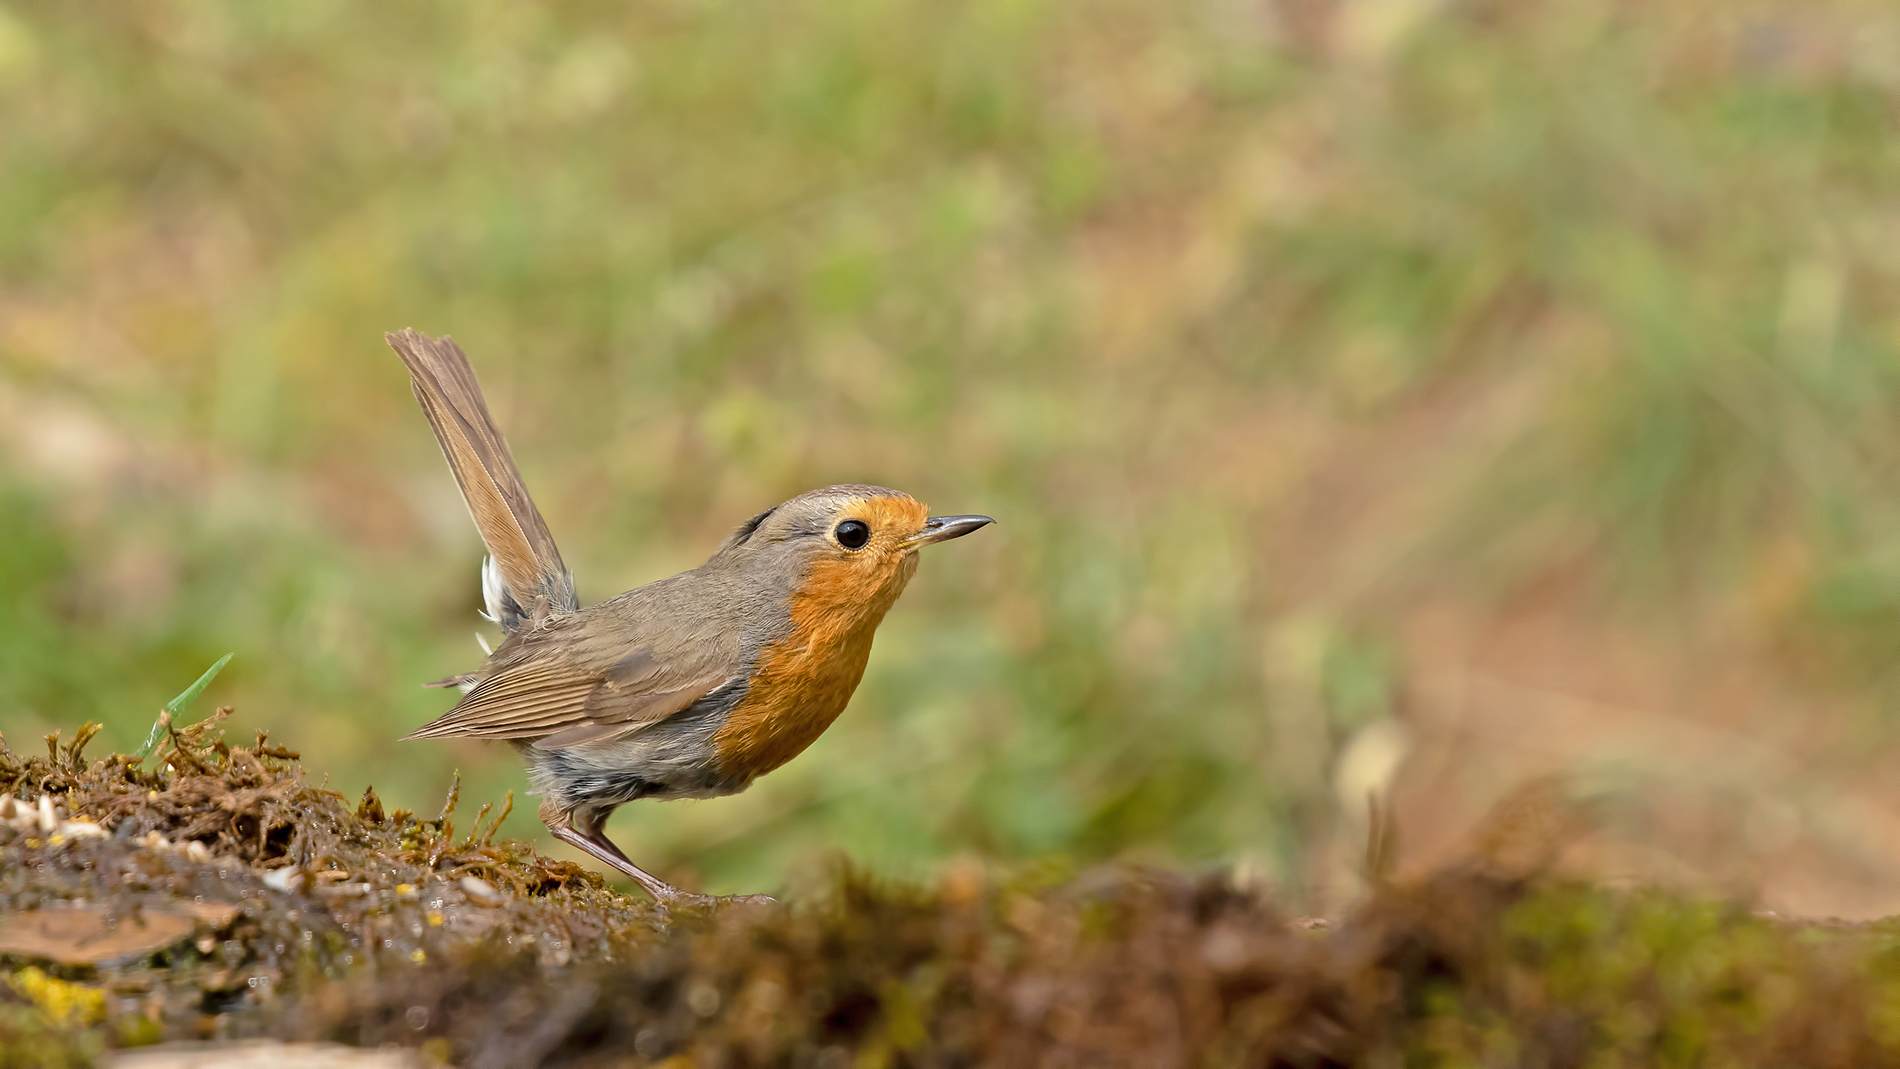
[{"x": 691, "y": 686}]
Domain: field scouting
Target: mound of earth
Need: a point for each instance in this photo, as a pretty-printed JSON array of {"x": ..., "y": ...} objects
[{"x": 212, "y": 895}]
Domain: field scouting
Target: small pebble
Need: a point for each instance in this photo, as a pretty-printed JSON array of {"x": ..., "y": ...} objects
[
  {"x": 282, "y": 879},
  {"x": 481, "y": 890}
]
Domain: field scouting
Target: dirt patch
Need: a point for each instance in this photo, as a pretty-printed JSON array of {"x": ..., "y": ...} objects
[
  {"x": 213, "y": 893},
  {"x": 190, "y": 887}
]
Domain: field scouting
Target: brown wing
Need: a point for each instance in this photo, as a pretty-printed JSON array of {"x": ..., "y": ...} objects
[
  {"x": 582, "y": 679},
  {"x": 534, "y": 583}
]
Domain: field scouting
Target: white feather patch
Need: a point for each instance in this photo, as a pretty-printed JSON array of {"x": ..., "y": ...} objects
[{"x": 494, "y": 590}]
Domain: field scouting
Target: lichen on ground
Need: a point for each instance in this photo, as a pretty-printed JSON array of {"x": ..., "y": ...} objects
[{"x": 222, "y": 895}]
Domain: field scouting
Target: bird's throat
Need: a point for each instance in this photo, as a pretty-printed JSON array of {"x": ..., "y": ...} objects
[{"x": 802, "y": 682}]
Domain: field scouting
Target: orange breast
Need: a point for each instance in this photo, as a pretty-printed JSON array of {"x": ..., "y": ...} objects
[
  {"x": 796, "y": 694},
  {"x": 802, "y": 683}
]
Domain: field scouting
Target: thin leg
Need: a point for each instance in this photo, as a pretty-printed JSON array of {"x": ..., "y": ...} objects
[
  {"x": 603, "y": 850},
  {"x": 582, "y": 829}
]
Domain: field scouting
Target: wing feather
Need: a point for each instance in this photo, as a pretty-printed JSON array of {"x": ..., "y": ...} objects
[
  {"x": 601, "y": 672},
  {"x": 559, "y": 705}
]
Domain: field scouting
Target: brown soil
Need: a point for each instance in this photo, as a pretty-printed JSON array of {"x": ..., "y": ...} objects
[{"x": 222, "y": 896}]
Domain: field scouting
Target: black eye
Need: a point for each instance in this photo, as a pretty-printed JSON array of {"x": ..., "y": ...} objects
[{"x": 852, "y": 534}]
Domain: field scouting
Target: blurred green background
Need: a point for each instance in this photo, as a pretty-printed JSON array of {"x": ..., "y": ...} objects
[{"x": 1309, "y": 352}]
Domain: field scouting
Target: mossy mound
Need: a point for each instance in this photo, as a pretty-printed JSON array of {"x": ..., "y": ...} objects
[{"x": 223, "y": 896}]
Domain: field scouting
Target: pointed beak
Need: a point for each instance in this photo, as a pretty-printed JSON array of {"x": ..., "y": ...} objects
[{"x": 944, "y": 528}]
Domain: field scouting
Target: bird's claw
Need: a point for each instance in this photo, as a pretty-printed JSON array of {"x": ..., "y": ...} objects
[{"x": 690, "y": 900}]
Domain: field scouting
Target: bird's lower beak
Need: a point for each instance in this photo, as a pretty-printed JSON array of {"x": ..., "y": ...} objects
[{"x": 944, "y": 528}]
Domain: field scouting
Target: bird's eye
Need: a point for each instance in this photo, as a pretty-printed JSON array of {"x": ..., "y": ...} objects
[{"x": 852, "y": 534}]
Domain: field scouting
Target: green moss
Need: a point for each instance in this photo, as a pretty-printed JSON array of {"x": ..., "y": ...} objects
[{"x": 339, "y": 921}]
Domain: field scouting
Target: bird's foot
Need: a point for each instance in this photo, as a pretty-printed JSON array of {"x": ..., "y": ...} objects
[
  {"x": 690, "y": 900},
  {"x": 561, "y": 823}
]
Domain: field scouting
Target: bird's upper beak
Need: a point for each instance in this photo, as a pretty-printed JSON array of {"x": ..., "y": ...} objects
[{"x": 944, "y": 528}]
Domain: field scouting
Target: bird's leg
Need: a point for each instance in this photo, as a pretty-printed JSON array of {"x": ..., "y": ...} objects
[{"x": 582, "y": 829}]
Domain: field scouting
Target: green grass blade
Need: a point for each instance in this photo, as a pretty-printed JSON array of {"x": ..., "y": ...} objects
[{"x": 177, "y": 705}]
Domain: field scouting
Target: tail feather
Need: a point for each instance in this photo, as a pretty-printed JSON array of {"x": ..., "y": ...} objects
[{"x": 524, "y": 581}]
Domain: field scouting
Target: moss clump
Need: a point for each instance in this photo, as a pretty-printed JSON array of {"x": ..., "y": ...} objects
[
  {"x": 298, "y": 915},
  {"x": 1145, "y": 969},
  {"x": 281, "y": 884}
]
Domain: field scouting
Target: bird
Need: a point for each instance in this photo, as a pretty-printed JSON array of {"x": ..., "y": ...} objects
[{"x": 692, "y": 686}]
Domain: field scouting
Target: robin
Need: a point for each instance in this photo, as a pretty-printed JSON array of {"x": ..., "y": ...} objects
[{"x": 689, "y": 687}]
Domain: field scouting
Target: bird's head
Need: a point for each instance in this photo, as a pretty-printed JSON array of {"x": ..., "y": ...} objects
[{"x": 844, "y": 552}]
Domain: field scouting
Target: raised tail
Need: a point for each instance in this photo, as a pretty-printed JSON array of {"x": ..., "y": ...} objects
[{"x": 523, "y": 580}]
